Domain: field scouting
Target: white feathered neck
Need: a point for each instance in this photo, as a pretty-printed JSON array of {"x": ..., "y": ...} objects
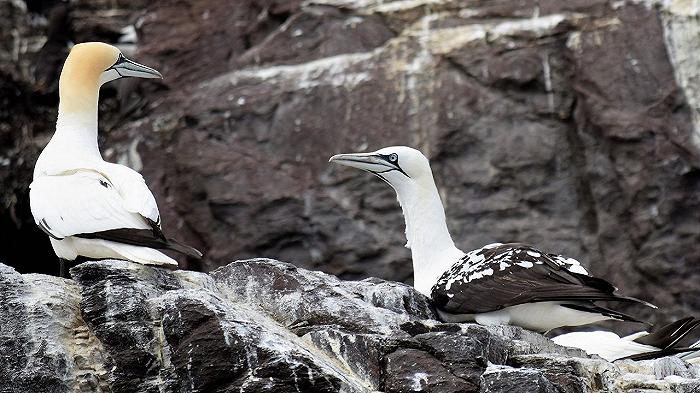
[
  {"x": 432, "y": 248},
  {"x": 74, "y": 144}
]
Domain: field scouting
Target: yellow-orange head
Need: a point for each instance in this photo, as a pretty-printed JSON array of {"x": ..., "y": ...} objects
[{"x": 88, "y": 66}]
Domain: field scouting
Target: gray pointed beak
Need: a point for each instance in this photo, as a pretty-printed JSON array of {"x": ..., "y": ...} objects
[
  {"x": 126, "y": 67},
  {"x": 366, "y": 161}
]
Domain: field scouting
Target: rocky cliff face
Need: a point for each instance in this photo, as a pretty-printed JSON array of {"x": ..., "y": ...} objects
[
  {"x": 265, "y": 326},
  {"x": 569, "y": 125}
]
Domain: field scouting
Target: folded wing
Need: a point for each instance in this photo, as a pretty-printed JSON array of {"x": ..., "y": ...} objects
[
  {"x": 503, "y": 275},
  {"x": 91, "y": 205},
  {"x": 131, "y": 186},
  {"x": 80, "y": 202}
]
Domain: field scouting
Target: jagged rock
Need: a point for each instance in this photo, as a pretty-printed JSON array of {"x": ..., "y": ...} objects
[
  {"x": 412, "y": 370},
  {"x": 504, "y": 378},
  {"x": 300, "y": 298},
  {"x": 176, "y": 331},
  {"x": 45, "y": 345},
  {"x": 265, "y": 326}
]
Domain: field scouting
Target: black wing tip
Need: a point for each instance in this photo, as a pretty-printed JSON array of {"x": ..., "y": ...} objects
[
  {"x": 669, "y": 335},
  {"x": 177, "y": 246},
  {"x": 622, "y": 298},
  {"x": 172, "y": 244},
  {"x": 658, "y": 354},
  {"x": 143, "y": 238}
]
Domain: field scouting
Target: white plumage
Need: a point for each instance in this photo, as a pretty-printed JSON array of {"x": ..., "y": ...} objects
[
  {"x": 607, "y": 345},
  {"x": 90, "y": 207},
  {"x": 88, "y": 202}
]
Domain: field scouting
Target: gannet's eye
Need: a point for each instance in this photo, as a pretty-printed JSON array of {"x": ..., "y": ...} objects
[{"x": 393, "y": 157}]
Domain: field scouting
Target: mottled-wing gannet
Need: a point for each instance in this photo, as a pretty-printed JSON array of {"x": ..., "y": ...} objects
[
  {"x": 639, "y": 346},
  {"x": 497, "y": 284},
  {"x": 87, "y": 206}
]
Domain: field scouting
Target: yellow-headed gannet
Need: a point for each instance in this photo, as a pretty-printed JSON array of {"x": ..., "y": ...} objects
[
  {"x": 90, "y": 207},
  {"x": 639, "y": 346},
  {"x": 497, "y": 284}
]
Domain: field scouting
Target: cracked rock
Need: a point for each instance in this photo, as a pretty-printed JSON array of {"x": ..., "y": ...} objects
[{"x": 262, "y": 325}]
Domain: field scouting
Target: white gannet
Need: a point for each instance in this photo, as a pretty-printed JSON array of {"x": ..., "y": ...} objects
[
  {"x": 639, "y": 346},
  {"x": 87, "y": 206},
  {"x": 497, "y": 284}
]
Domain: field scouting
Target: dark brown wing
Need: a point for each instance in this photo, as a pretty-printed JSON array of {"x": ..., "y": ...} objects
[{"x": 503, "y": 275}]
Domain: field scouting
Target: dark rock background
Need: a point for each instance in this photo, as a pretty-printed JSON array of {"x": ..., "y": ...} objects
[{"x": 560, "y": 124}]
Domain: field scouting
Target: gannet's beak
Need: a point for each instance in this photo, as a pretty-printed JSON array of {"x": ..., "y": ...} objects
[
  {"x": 370, "y": 162},
  {"x": 126, "y": 67}
]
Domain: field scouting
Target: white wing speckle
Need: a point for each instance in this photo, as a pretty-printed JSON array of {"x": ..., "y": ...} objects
[{"x": 483, "y": 262}]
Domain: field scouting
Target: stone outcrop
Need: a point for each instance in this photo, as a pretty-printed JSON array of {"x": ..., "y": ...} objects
[
  {"x": 571, "y": 125},
  {"x": 261, "y": 325}
]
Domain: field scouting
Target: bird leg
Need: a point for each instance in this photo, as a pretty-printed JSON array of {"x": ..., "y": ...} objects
[{"x": 61, "y": 267}]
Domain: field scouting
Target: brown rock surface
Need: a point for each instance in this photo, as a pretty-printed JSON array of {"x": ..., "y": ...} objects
[{"x": 561, "y": 125}]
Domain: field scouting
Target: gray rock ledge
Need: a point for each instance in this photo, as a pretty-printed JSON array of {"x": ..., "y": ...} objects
[{"x": 261, "y": 325}]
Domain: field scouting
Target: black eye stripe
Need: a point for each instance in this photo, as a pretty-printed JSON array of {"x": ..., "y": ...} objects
[
  {"x": 393, "y": 159},
  {"x": 120, "y": 60}
]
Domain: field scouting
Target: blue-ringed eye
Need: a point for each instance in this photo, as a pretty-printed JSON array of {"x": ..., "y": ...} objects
[{"x": 393, "y": 157}]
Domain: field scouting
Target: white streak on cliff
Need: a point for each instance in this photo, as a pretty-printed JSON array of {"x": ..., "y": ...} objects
[
  {"x": 449, "y": 39},
  {"x": 682, "y": 36},
  {"x": 546, "y": 69},
  {"x": 336, "y": 71}
]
